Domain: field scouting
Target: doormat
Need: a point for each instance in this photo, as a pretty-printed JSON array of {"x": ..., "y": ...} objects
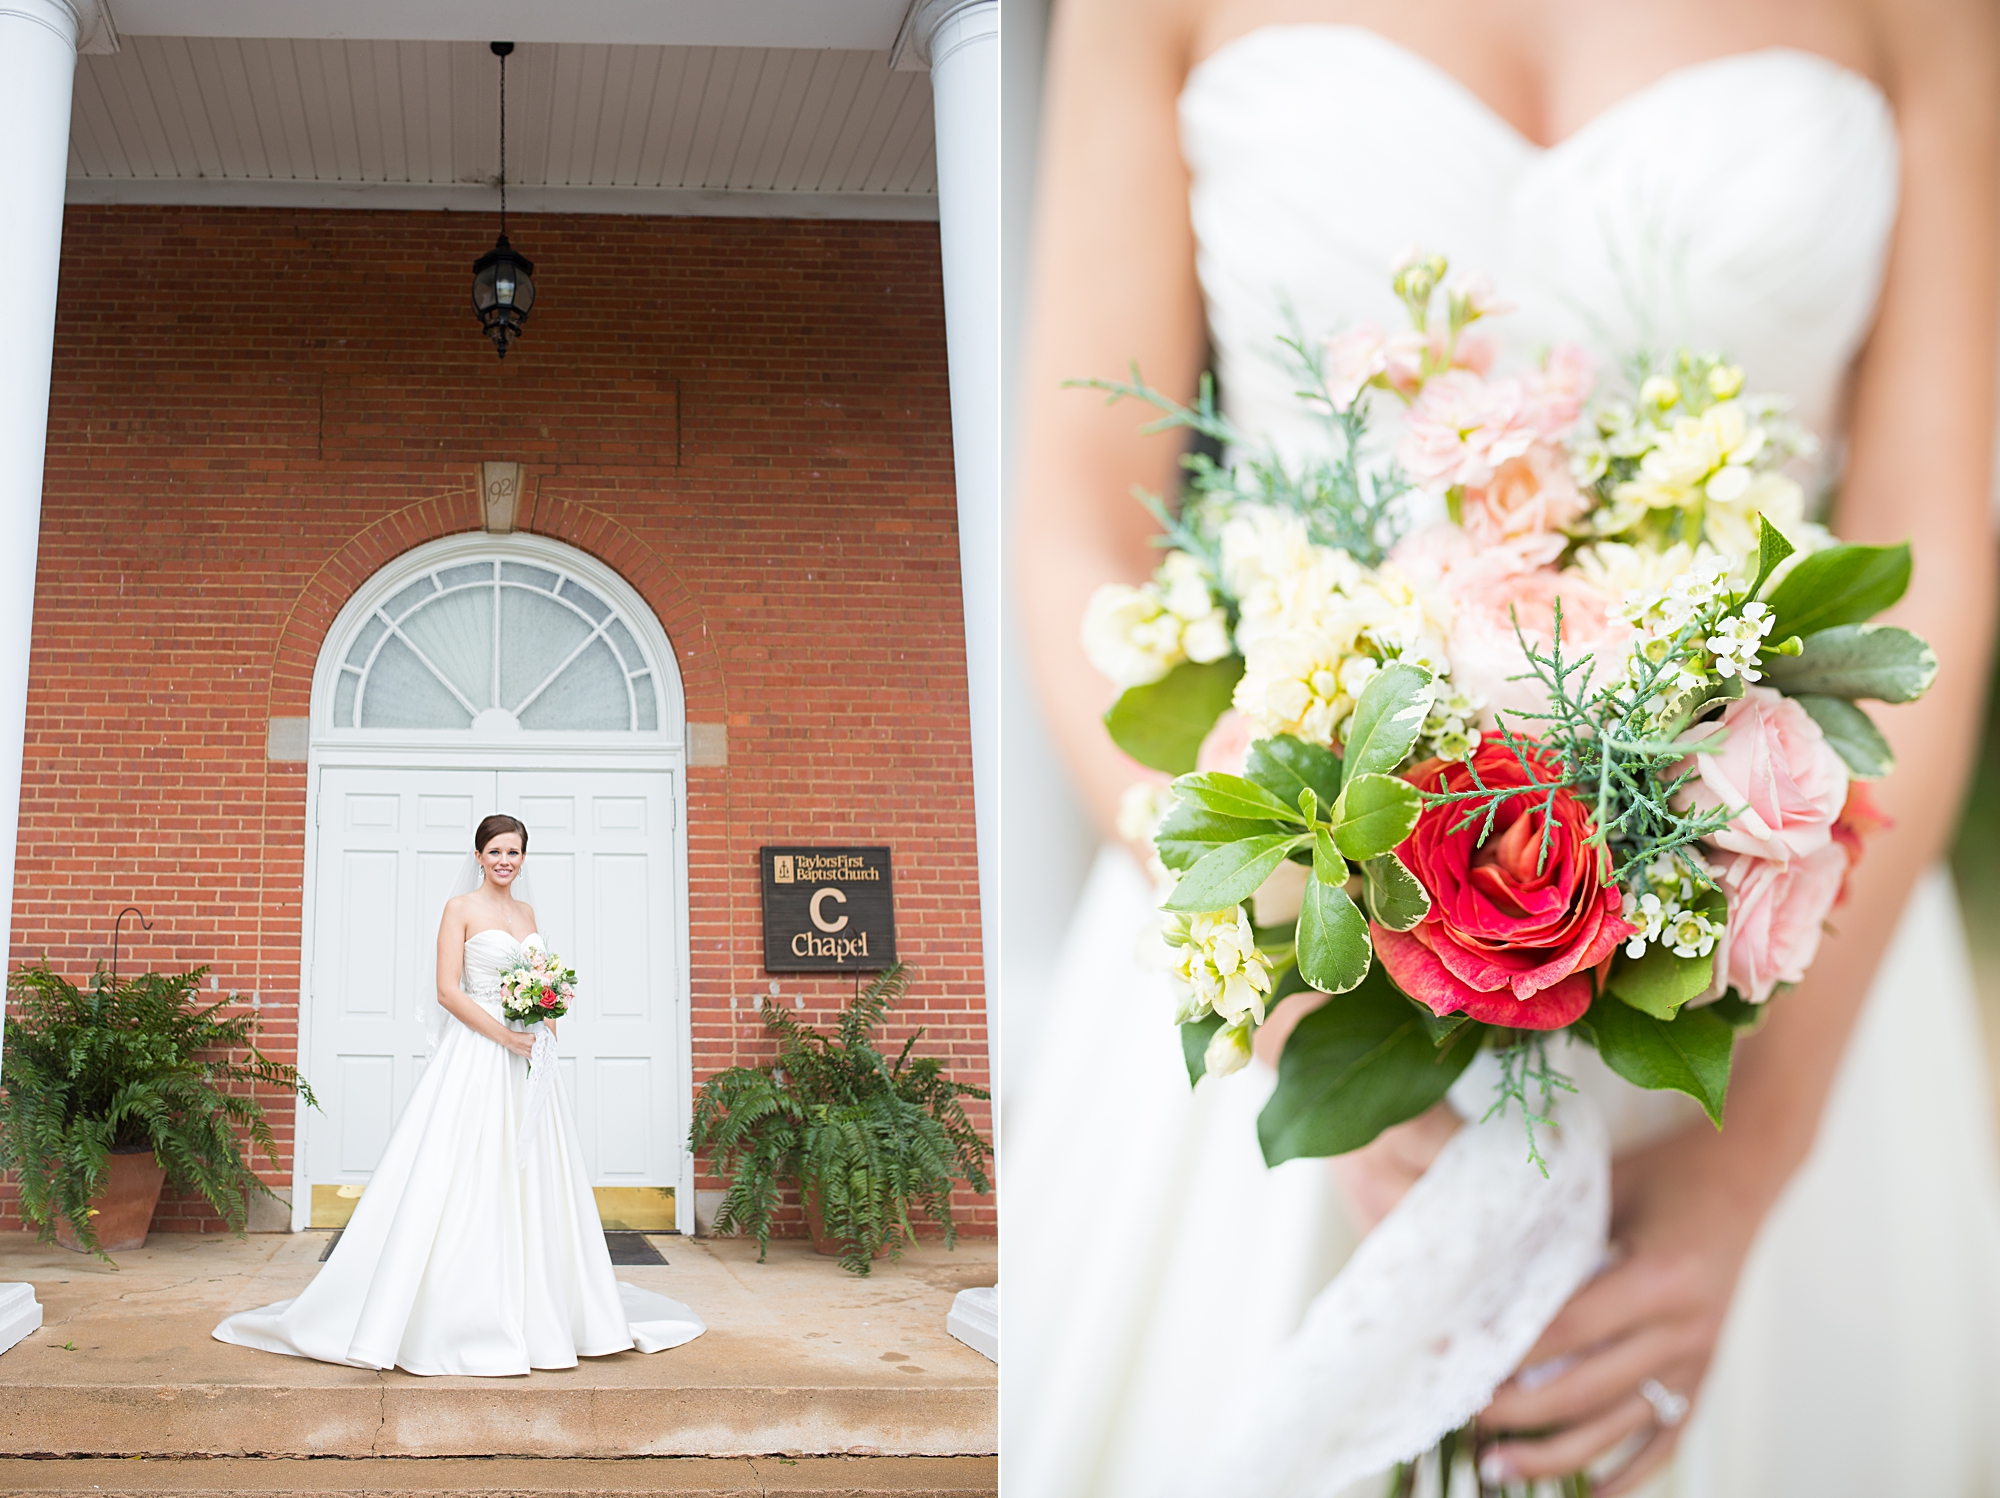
[{"x": 632, "y": 1248}]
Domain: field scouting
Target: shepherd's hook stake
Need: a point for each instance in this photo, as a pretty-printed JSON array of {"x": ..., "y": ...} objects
[{"x": 144, "y": 925}]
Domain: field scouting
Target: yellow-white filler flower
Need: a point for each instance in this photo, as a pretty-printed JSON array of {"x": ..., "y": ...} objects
[
  {"x": 1216, "y": 958},
  {"x": 1137, "y": 635}
]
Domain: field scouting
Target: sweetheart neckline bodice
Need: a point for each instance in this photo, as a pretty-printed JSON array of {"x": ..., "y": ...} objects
[
  {"x": 1741, "y": 204},
  {"x": 519, "y": 941},
  {"x": 1437, "y": 73}
]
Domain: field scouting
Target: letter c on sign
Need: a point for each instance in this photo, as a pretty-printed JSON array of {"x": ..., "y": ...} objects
[{"x": 813, "y": 906}]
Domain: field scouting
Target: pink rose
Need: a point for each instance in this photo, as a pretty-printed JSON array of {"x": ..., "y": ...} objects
[
  {"x": 1776, "y": 766},
  {"x": 1227, "y": 745},
  {"x": 1776, "y": 913},
  {"x": 1529, "y": 495},
  {"x": 1485, "y": 651}
]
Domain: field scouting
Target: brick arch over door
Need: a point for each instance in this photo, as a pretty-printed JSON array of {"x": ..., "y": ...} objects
[{"x": 589, "y": 531}]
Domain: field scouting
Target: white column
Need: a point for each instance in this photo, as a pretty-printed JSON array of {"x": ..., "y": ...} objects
[
  {"x": 38, "y": 42},
  {"x": 959, "y": 41}
]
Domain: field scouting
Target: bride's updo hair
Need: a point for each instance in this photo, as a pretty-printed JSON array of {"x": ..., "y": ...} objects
[{"x": 493, "y": 826}]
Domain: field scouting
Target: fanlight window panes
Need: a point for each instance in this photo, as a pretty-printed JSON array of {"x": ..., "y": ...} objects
[{"x": 496, "y": 645}]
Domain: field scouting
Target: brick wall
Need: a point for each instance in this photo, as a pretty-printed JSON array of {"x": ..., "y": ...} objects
[{"x": 254, "y": 409}]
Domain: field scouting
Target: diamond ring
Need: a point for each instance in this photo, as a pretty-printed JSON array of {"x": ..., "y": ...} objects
[{"x": 1669, "y": 1408}]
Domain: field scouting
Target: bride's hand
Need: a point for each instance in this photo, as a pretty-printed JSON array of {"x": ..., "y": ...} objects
[
  {"x": 1655, "y": 1314},
  {"x": 520, "y": 1042},
  {"x": 1374, "y": 1177}
]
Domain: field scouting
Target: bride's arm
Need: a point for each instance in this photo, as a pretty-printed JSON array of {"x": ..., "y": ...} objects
[
  {"x": 1920, "y": 468},
  {"x": 456, "y": 1002},
  {"x": 1114, "y": 283}
]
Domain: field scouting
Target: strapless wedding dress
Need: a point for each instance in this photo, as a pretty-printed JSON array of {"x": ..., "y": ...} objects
[
  {"x": 462, "y": 1256},
  {"x": 1743, "y": 205}
]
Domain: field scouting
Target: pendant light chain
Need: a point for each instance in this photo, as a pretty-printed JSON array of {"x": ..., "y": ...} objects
[{"x": 503, "y": 142}]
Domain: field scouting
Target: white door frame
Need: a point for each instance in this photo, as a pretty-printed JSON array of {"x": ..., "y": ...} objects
[{"x": 664, "y": 749}]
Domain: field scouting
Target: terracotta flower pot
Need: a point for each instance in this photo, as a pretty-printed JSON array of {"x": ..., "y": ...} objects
[
  {"x": 822, "y": 1241},
  {"x": 124, "y": 1208}
]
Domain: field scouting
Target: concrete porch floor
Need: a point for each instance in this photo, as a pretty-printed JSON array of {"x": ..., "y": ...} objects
[{"x": 800, "y": 1360}]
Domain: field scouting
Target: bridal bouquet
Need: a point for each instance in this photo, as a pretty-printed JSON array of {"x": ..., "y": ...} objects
[
  {"x": 1533, "y": 712},
  {"x": 536, "y": 988}
]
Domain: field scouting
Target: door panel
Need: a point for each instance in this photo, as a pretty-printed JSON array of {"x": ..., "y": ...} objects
[
  {"x": 389, "y": 844},
  {"x": 603, "y": 862}
]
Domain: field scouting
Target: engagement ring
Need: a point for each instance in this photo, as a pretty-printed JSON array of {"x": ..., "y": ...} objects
[{"x": 1669, "y": 1408}]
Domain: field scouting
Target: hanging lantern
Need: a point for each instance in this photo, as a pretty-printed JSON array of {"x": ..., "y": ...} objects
[
  {"x": 503, "y": 289},
  {"x": 503, "y": 279}
]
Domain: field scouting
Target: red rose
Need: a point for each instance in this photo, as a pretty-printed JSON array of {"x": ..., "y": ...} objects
[
  {"x": 549, "y": 999},
  {"x": 1514, "y": 931}
]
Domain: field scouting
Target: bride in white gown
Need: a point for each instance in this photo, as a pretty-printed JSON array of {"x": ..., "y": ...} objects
[
  {"x": 466, "y": 1254},
  {"x": 1810, "y": 188}
]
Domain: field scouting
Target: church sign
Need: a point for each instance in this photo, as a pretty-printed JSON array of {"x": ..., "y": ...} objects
[{"x": 828, "y": 910}]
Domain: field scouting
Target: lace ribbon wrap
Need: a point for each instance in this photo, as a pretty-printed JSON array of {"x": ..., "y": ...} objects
[
  {"x": 541, "y": 1090},
  {"x": 1432, "y": 1313}
]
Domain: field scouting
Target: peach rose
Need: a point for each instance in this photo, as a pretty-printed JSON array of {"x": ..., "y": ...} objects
[
  {"x": 1529, "y": 495},
  {"x": 1774, "y": 764},
  {"x": 1485, "y": 651},
  {"x": 1776, "y": 913}
]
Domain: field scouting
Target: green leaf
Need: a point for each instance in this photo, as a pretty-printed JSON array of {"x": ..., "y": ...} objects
[
  {"x": 1395, "y": 898},
  {"x": 1285, "y": 766},
  {"x": 1387, "y": 719},
  {"x": 1689, "y": 1054},
  {"x": 1195, "y": 1036},
  {"x": 1334, "y": 949},
  {"x": 1699, "y": 702},
  {"x": 1856, "y": 660},
  {"x": 1841, "y": 585},
  {"x": 1772, "y": 548},
  {"x": 1231, "y": 874},
  {"x": 1374, "y": 814},
  {"x": 1658, "y": 982},
  {"x": 1737, "y": 1012},
  {"x": 1352, "y": 1068},
  {"x": 1189, "y": 831},
  {"x": 1440, "y": 1027},
  {"x": 1162, "y": 724},
  {"x": 1233, "y": 796},
  {"x": 1853, "y": 734}
]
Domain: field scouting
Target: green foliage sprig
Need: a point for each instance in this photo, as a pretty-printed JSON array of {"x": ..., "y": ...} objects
[
  {"x": 865, "y": 1136},
  {"x": 1343, "y": 504},
  {"x": 130, "y": 1062}
]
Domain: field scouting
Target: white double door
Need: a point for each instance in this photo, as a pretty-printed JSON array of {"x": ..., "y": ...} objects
[{"x": 605, "y": 879}]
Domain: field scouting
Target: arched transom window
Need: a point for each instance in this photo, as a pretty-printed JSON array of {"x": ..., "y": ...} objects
[{"x": 495, "y": 643}]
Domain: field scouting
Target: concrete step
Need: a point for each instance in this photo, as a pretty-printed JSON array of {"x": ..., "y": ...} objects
[
  {"x": 501, "y": 1477},
  {"x": 800, "y": 1360}
]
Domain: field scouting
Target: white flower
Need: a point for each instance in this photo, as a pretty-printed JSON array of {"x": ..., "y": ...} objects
[
  {"x": 1292, "y": 683},
  {"x": 1142, "y": 808},
  {"x": 1137, "y": 635},
  {"x": 1216, "y": 958},
  {"x": 1661, "y": 904},
  {"x": 1228, "y": 1050},
  {"x": 1735, "y": 642}
]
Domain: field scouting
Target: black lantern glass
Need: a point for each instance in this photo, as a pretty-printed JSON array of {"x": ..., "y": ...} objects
[
  {"x": 503, "y": 279},
  {"x": 503, "y": 290}
]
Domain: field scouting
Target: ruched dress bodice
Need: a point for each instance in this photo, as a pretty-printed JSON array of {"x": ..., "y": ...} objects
[
  {"x": 487, "y": 955},
  {"x": 1742, "y": 205}
]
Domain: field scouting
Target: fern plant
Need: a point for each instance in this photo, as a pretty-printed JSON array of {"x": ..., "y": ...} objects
[
  {"x": 129, "y": 1063},
  {"x": 868, "y": 1137}
]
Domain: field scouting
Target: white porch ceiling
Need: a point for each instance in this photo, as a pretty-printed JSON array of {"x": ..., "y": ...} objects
[
  {"x": 852, "y": 25},
  {"x": 591, "y": 127}
]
